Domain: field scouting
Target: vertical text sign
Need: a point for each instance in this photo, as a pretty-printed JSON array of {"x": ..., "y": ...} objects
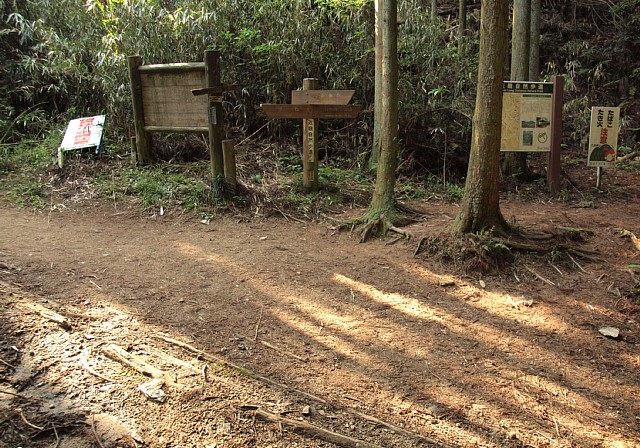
[
  {"x": 526, "y": 116},
  {"x": 603, "y": 136}
]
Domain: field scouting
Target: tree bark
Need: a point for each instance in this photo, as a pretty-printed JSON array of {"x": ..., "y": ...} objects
[
  {"x": 480, "y": 208},
  {"x": 377, "y": 101},
  {"x": 534, "y": 41},
  {"x": 462, "y": 23},
  {"x": 515, "y": 163},
  {"x": 383, "y": 196},
  {"x": 434, "y": 11}
]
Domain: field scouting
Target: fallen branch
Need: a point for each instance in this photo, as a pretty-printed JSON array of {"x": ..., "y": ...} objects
[
  {"x": 315, "y": 398},
  {"x": 577, "y": 264},
  {"x": 539, "y": 277},
  {"x": 6, "y": 363},
  {"x": 286, "y": 352},
  {"x": 307, "y": 429},
  {"x": 175, "y": 361},
  {"x": 123, "y": 357},
  {"x": 255, "y": 336},
  {"x": 49, "y": 314}
]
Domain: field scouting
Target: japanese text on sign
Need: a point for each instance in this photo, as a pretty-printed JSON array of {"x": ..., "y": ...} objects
[{"x": 603, "y": 136}]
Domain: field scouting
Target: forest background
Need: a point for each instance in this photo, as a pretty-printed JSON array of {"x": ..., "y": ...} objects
[{"x": 67, "y": 59}]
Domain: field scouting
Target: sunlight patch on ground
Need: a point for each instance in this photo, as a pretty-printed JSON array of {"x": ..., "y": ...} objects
[
  {"x": 487, "y": 300},
  {"x": 349, "y": 337}
]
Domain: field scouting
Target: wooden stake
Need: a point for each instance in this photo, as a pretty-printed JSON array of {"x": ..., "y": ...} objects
[
  {"x": 553, "y": 170},
  {"x": 229, "y": 157},
  {"x": 212, "y": 74},
  {"x": 143, "y": 139},
  {"x": 310, "y": 144}
]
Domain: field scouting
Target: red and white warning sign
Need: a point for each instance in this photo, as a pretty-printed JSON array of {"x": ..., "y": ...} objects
[{"x": 82, "y": 133}]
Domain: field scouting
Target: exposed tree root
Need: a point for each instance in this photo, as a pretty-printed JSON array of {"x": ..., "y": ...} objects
[
  {"x": 490, "y": 251},
  {"x": 379, "y": 222}
]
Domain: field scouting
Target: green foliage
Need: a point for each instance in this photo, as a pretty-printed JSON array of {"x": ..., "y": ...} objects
[
  {"x": 72, "y": 54},
  {"x": 160, "y": 185}
]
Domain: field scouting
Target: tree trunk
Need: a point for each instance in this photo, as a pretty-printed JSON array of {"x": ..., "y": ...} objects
[
  {"x": 462, "y": 23},
  {"x": 383, "y": 196},
  {"x": 480, "y": 209},
  {"x": 515, "y": 163},
  {"x": 434, "y": 11},
  {"x": 377, "y": 102},
  {"x": 534, "y": 41}
]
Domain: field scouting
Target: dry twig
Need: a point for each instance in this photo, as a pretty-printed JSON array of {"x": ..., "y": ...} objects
[
  {"x": 255, "y": 336},
  {"x": 88, "y": 368},
  {"x": 27, "y": 422},
  {"x": 304, "y": 428},
  {"x": 286, "y": 352},
  {"x": 95, "y": 433}
]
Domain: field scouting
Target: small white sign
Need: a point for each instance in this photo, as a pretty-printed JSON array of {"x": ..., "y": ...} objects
[
  {"x": 603, "y": 136},
  {"x": 82, "y": 133}
]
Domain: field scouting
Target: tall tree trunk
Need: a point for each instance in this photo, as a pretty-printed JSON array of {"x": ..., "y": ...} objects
[
  {"x": 480, "y": 208},
  {"x": 383, "y": 196},
  {"x": 462, "y": 23},
  {"x": 515, "y": 163},
  {"x": 434, "y": 11},
  {"x": 534, "y": 41},
  {"x": 377, "y": 101}
]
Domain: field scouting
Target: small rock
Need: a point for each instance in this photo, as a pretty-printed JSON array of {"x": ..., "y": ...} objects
[{"x": 610, "y": 332}]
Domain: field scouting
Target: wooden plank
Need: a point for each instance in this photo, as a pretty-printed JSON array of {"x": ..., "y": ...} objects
[
  {"x": 180, "y": 67},
  {"x": 321, "y": 96},
  {"x": 178, "y": 130},
  {"x": 319, "y": 111},
  {"x": 168, "y": 102},
  {"x": 215, "y": 91}
]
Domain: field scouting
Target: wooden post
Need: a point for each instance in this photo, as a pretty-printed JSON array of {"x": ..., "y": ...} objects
[
  {"x": 134, "y": 150},
  {"x": 143, "y": 139},
  {"x": 553, "y": 170},
  {"x": 229, "y": 154},
  {"x": 212, "y": 74},
  {"x": 310, "y": 144}
]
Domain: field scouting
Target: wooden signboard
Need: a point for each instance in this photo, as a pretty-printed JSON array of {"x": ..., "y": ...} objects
[
  {"x": 318, "y": 111},
  {"x": 167, "y": 100},
  {"x": 181, "y": 97},
  {"x": 311, "y": 104}
]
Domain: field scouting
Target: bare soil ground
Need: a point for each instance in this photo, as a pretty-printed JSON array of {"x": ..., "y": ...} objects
[{"x": 279, "y": 333}]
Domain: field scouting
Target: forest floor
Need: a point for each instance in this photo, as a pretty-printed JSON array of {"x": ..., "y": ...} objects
[{"x": 278, "y": 332}]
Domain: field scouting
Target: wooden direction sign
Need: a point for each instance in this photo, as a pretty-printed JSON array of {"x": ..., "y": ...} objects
[
  {"x": 318, "y": 111},
  {"x": 312, "y": 104}
]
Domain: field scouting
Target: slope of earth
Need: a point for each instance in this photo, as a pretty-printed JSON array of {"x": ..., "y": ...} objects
[{"x": 274, "y": 333}]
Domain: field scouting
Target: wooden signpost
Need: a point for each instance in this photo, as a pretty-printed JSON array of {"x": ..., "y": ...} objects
[
  {"x": 532, "y": 121},
  {"x": 179, "y": 98},
  {"x": 312, "y": 105}
]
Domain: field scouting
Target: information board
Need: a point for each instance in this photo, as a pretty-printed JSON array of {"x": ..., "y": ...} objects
[
  {"x": 526, "y": 116},
  {"x": 603, "y": 136}
]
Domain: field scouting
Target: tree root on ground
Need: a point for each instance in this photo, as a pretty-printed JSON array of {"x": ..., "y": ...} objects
[
  {"x": 371, "y": 225},
  {"x": 487, "y": 252}
]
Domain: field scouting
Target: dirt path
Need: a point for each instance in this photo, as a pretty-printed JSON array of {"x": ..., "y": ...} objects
[{"x": 356, "y": 333}]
